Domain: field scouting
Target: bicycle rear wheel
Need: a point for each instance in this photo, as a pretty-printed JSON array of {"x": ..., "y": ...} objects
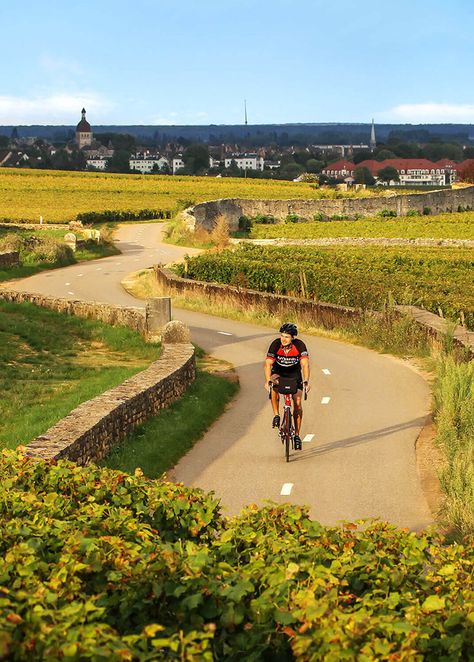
[{"x": 286, "y": 429}]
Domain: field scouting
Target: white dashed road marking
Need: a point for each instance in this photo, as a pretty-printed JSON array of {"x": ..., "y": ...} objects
[
  {"x": 325, "y": 400},
  {"x": 70, "y": 292},
  {"x": 309, "y": 437},
  {"x": 326, "y": 371},
  {"x": 79, "y": 275},
  {"x": 286, "y": 489},
  {"x": 67, "y": 283},
  {"x": 223, "y": 333},
  {"x": 98, "y": 268}
]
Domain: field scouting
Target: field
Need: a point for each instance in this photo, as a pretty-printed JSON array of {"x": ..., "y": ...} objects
[
  {"x": 444, "y": 226},
  {"x": 433, "y": 278},
  {"x": 50, "y": 363},
  {"x": 59, "y": 196}
]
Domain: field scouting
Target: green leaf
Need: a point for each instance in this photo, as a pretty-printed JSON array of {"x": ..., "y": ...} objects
[{"x": 433, "y": 603}]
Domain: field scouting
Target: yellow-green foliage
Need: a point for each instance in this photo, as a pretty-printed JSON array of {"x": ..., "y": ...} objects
[
  {"x": 444, "y": 226},
  {"x": 100, "y": 565},
  {"x": 59, "y": 196}
]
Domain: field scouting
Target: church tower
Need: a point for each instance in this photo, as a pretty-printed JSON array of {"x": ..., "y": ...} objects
[
  {"x": 373, "y": 142},
  {"x": 83, "y": 131}
]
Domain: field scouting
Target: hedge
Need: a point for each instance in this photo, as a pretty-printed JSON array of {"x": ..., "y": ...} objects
[{"x": 109, "y": 215}]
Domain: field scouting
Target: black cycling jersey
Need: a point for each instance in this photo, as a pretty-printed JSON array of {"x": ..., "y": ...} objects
[{"x": 287, "y": 361}]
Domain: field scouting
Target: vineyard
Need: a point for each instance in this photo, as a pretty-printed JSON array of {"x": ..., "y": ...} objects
[
  {"x": 60, "y": 196},
  {"x": 444, "y": 226},
  {"x": 100, "y": 565},
  {"x": 433, "y": 278}
]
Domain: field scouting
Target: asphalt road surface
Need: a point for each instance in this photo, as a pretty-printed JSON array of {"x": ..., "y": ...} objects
[{"x": 360, "y": 424}]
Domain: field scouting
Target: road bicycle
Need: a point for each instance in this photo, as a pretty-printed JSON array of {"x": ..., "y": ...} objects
[{"x": 286, "y": 386}]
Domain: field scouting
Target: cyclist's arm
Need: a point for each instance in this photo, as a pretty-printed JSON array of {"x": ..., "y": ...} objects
[
  {"x": 305, "y": 368},
  {"x": 268, "y": 369}
]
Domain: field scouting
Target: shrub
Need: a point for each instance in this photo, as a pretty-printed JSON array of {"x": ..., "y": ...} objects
[
  {"x": 122, "y": 215},
  {"x": 426, "y": 211},
  {"x": 339, "y": 217},
  {"x": 245, "y": 224},
  {"x": 387, "y": 213},
  {"x": 265, "y": 219},
  {"x": 48, "y": 251},
  {"x": 413, "y": 212},
  {"x": 11, "y": 242},
  {"x": 98, "y": 564},
  {"x": 319, "y": 216},
  {"x": 292, "y": 218}
]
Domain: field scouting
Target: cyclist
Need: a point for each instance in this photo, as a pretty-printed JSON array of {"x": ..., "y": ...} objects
[{"x": 288, "y": 357}]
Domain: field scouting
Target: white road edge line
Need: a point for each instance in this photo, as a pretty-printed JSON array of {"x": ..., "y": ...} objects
[
  {"x": 326, "y": 371},
  {"x": 325, "y": 400},
  {"x": 286, "y": 489},
  {"x": 223, "y": 333},
  {"x": 309, "y": 437}
]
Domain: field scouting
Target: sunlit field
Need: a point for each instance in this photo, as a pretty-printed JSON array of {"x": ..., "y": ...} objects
[{"x": 59, "y": 196}]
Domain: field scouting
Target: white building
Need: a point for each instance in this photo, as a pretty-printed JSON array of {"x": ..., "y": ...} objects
[
  {"x": 146, "y": 165},
  {"x": 245, "y": 161},
  {"x": 177, "y": 164},
  {"x": 97, "y": 164}
]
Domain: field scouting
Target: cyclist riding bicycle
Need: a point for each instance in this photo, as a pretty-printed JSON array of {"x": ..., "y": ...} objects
[{"x": 288, "y": 357}]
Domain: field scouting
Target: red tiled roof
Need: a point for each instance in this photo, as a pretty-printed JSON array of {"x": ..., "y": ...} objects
[{"x": 340, "y": 165}]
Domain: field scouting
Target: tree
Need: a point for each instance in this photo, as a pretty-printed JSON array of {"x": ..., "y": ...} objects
[
  {"x": 362, "y": 155},
  {"x": 120, "y": 161},
  {"x": 314, "y": 165},
  {"x": 384, "y": 154},
  {"x": 4, "y": 140},
  {"x": 363, "y": 176},
  {"x": 196, "y": 158},
  {"x": 435, "y": 151},
  {"x": 291, "y": 171},
  {"x": 469, "y": 152},
  {"x": 388, "y": 174}
]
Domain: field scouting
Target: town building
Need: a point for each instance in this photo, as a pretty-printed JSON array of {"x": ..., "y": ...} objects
[
  {"x": 83, "y": 131},
  {"x": 245, "y": 161},
  {"x": 146, "y": 165},
  {"x": 177, "y": 163},
  {"x": 99, "y": 163},
  {"x": 411, "y": 172}
]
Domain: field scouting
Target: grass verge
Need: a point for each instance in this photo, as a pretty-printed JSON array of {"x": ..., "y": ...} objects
[
  {"x": 454, "y": 417},
  {"x": 157, "y": 445},
  {"x": 44, "y": 249},
  {"x": 50, "y": 363}
]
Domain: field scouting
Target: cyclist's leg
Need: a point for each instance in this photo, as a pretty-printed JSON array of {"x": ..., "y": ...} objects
[
  {"x": 275, "y": 401},
  {"x": 297, "y": 411}
]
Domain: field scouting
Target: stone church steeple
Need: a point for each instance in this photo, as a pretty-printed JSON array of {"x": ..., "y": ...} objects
[{"x": 83, "y": 131}]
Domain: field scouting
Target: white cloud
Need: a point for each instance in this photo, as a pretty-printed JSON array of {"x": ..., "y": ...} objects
[
  {"x": 428, "y": 112},
  {"x": 52, "y": 109}
]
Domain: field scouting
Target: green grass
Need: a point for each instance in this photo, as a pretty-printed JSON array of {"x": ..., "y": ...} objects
[
  {"x": 444, "y": 226},
  {"x": 50, "y": 363},
  {"x": 157, "y": 445},
  {"x": 454, "y": 415},
  {"x": 32, "y": 264}
]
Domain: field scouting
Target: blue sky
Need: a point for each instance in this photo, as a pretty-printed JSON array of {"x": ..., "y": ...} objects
[{"x": 190, "y": 62}]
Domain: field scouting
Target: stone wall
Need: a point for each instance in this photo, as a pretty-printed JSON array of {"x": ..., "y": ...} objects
[
  {"x": 438, "y": 202},
  {"x": 316, "y": 313},
  {"x": 134, "y": 318},
  {"x": 89, "y": 431},
  {"x": 10, "y": 259}
]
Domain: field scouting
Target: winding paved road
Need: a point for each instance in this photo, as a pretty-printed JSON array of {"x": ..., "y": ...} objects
[{"x": 365, "y": 410}]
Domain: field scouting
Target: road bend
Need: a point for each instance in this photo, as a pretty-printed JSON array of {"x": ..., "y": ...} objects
[{"x": 360, "y": 423}]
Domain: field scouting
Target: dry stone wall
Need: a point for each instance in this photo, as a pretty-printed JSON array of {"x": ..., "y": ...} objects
[
  {"x": 134, "y": 318},
  {"x": 206, "y": 213},
  {"x": 10, "y": 259},
  {"x": 327, "y": 315},
  {"x": 89, "y": 431}
]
